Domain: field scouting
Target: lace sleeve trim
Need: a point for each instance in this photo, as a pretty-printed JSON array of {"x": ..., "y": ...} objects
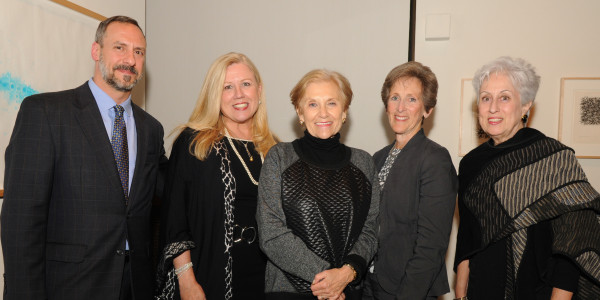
[{"x": 166, "y": 281}]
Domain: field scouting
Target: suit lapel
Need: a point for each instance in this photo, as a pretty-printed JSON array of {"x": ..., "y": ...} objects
[
  {"x": 142, "y": 145},
  {"x": 406, "y": 153},
  {"x": 90, "y": 122},
  {"x": 404, "y": 158}
]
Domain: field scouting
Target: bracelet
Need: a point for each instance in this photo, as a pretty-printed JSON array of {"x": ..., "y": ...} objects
[
  {"x": 183, "y": 268},
  {"x": 353, "y": 271},
  {"x": 462, "y": 298}
]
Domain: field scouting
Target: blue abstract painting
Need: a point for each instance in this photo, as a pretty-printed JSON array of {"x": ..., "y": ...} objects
[{"x": 14, "y": 89}]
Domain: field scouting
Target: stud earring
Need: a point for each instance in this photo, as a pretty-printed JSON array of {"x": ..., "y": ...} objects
[
  {"x": 343, "y": 120},
  {"x": 301, "y": 122},
  {"x": 524, "y": 118}
]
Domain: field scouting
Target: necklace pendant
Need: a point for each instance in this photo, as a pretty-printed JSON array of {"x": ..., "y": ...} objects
[{"x": 240, "y": 157}]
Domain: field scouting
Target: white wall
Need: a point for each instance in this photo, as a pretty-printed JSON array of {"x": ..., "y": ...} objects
[
  {"x": 285, "y": 39},
  {"x": 131, "y": 8},
  {"x": 560, "y": 38}
]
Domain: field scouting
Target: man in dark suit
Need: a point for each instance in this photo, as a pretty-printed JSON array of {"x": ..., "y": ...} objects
[{"x": 82, "y": 167}]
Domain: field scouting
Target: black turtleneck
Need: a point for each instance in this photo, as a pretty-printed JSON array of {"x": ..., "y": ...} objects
[{"x": 325, "y": 153}]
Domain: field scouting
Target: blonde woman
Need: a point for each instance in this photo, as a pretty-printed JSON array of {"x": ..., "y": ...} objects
[{"x": 208, "y": 227}]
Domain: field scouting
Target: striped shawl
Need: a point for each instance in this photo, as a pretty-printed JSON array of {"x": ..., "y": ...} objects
[{"x": 541, "y": 181}]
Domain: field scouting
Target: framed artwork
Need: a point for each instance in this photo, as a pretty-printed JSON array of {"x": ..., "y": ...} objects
[
  {"x": 470, "y": 135},
  {"x": 81, "y": 9},
  {"x": 579, "y": 117}
]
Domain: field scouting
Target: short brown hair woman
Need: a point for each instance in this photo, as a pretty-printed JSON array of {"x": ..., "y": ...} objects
[{"x": 418, "y": 194}]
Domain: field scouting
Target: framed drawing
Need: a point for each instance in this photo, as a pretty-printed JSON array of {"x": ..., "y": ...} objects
[
  {"x": 470, "y": 135},
  {"x": 579, "y": 117},
  {"x": 80, "y": 9}
]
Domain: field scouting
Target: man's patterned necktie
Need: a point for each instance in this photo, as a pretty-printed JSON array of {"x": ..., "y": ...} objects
[{"x": 120, "y": 149}]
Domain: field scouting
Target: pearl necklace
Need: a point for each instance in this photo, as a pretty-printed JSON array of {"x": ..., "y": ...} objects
[{"x": 240, "y": 157}]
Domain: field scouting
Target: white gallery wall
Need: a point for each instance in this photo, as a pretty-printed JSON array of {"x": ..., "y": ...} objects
[
  {"x": 285, "y": 40},
  {"x": 560, "y": 38},
  {"x": 131, "y": 8}
]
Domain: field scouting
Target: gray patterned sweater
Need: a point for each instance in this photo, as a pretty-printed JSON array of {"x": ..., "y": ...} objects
[{"x": 288, "y": 252}]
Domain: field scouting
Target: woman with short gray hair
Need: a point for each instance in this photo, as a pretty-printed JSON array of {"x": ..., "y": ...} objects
[
  {"x": 521, "y": 73},
  {"x": 529, "y": 219}
]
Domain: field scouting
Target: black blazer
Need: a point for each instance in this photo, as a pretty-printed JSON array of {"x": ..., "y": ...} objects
[
  {"x": 415, "y": 219},
  {"x": 64, "y": 218}
]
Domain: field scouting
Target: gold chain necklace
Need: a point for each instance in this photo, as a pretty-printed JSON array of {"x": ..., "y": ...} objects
[
  {"x": 245, "y": 143},
  {"x": 240, "y": 157}
]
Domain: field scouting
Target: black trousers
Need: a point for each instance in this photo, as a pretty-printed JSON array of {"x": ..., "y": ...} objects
[
  {"x": 373, "y": 290},
  {"x": 351, "y": 293}
]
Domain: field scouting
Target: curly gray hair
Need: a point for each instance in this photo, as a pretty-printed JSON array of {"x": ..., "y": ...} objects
[{"x": 521, "y": 73}]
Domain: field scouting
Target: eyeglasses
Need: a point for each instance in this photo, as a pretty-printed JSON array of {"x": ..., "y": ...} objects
[{"x": 245, "y": 234}]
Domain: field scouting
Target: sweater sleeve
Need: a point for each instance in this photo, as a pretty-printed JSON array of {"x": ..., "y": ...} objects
[
  {"x": 284, "y": 249},
  {"x": 366, "y": 245}
]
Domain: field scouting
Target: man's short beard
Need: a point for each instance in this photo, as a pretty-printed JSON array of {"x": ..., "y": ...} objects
[{"x": 111, "y": 81}]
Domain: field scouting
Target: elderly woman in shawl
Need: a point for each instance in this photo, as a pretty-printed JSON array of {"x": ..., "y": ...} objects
[{"x": 529, "y": 219}]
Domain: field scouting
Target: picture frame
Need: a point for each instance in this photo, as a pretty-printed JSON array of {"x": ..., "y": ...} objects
[
  {"x": 469, "y": 136},
  {"x": 76, "y": 7},
  {"x": 579, "y": 115}
]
